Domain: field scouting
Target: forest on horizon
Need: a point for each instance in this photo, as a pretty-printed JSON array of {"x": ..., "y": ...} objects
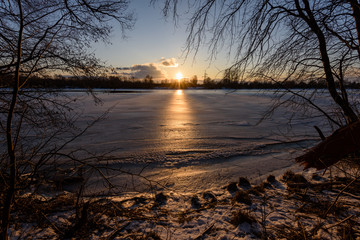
[{"x": 116, "y": 82}]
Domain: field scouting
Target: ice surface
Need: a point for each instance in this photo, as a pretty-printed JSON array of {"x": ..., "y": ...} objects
[{"x": 191, "y": 138}]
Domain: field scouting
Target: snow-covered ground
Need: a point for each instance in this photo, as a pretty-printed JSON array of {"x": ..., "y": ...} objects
[{"x": 279, "y": 208}]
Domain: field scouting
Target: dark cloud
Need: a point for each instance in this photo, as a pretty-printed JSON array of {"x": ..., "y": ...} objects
[
  {"x": 171, "y": 62},
  {"x": 140, "y": 71},
  {"x": 123, "y": 68}
]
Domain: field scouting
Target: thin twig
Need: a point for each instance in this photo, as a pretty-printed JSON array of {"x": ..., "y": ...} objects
[
  {"x": 337, "y": 197},
  {"x": 116, "y": 232},
  {"x": 338, "y": 223}
]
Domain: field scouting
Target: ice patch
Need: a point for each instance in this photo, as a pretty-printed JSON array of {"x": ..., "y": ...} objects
[{"x": 230, "y": 123}]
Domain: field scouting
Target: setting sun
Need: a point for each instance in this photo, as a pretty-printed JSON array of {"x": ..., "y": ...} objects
[{"x": 179, "y": 76}]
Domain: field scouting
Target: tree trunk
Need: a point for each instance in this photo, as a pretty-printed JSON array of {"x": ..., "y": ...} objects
[
  {"x": 356, "y": 13},
  {"x": 330, "y": 82},
  {"x": 9, "y": 198}
]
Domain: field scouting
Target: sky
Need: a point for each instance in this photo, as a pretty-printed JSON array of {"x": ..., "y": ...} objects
[{"x": 155, "y": 47}]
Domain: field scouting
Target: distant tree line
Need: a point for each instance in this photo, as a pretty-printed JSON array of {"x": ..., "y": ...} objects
[{"x": 114, "y": 82}]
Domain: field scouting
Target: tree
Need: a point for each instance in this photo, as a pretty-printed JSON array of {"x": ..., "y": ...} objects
[
  {"x": 194, "y": 80},
  {"x": 148, "y": 79},
  {"x": 283, "y": 40},
  {"x": 209, "y": 83},
  {"x": 230, "y": 78},
  {"x": 40, "y": 37}
]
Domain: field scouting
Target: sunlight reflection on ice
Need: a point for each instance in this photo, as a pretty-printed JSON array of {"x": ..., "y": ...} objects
[{"x": 178, "y": 123}]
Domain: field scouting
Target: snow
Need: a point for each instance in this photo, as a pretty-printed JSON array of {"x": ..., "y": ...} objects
[{"x": 278, "y": 210}]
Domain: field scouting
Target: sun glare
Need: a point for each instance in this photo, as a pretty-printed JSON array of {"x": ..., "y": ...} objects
[{"x": 179, "y": 76}]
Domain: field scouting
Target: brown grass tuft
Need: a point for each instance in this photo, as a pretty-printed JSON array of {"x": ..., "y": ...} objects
[
  {"x": 244, "y": 183},
  {"x": 240, "y": 217},
  {"x": 242, "y": 197},
  {"x": 232, "y": 187},
  {"x": 290, "y": 177}
]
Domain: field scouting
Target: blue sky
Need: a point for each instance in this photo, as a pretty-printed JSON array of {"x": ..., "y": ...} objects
[{"x": 152, "y": 45}]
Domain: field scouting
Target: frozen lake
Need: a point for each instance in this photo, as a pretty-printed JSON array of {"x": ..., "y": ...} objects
[{"x": 192, "y": 138}]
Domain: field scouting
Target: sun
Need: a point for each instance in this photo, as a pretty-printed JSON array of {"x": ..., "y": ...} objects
[{"x": 179, "y": 76}]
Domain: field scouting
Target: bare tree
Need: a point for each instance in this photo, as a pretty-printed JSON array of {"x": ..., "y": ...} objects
[
  {"x": 231, "y": 77},
  {"x": 281, "y": 40},
  {"x": 39, "y": 37}
]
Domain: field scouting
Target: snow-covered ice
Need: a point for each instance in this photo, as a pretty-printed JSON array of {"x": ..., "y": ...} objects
[{"x": 192, "y": 137}]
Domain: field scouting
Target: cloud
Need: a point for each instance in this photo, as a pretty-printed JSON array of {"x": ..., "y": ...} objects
[
  {"x": 141, "y": 70},
  {"x": 123, "y": 68},
  {"x": 158, "y": 70},
  {"x": 171, "y": 62}
]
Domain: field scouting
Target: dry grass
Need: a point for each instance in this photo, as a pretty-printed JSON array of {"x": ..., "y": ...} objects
[
  {"x": 320, "y": 206},
  {"x": 195, "y": 202},
  {"x": 185, "y": 216},
  {"x": 242, "y": 216},
  {"x": 160, "y": 199},
  {"x": 232, "y": 187},
  {"x": 244, "y": 183},
  {"x": 290, "y": 177},
  {"x": 271, "y": 179},
  {"x": 292, "y": 232},
  {"x": 30, "y": 209},
  {"x": 209, "y": 197},
  {"x": 242, "y": 197},
  {"x": 138, "y": 234},
  {"x": 256, "y": 191},
  {"x": 305, "y": 208},
  {"x": 348, "y": 231}
]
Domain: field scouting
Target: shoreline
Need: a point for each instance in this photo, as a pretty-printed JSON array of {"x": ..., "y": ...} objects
[
  {"x": 289, "y": 206},
  {"x": 196, "y": 178}
]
